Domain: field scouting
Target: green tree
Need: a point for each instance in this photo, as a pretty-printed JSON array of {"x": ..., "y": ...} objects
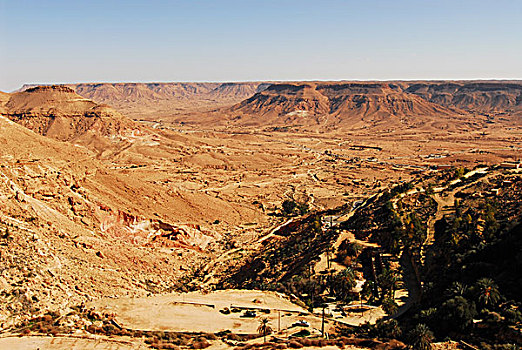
[
  {"x": 458, "y": 313},
  {"x": 491, "y": 225},
  {"x": 264, "y": 328},
  {"x": 415, "y": 229},
  {"x": 347, "y": 252},
  {"x": 343, "y": 283},
  {"x": 421, "y": 337},
  {"x": 429, "y": 189},
  {"x": 459, "y": 173},
  {"x": 302, "y": 208},
  {"x": 6, "y": 234},
  {"x": 389, "y": 305},
  {"x": 368, "y": 289},
  {"x": 388, "y": 329},
  {"x": 289, "y": 206},
  {"x": 388, "y": 281}
]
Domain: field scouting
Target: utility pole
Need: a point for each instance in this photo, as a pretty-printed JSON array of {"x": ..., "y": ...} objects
[
  {"x": 322, "y": 323},
  {"x": 328, "y": 258},
  {"x": 360, "y": 300}
]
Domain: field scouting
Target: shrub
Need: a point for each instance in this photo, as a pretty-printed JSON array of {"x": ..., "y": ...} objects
[
  {"x": 513, "y": 316},
  {"x": 315, "y": 342},
  {"x": 305, "y": 342},
  {"x": 210, "y": 336},
  {"x": 295, "y": 345},
  {"x": 169, "y": 346},
  {"x": 302, "y": 333},
  {"x": 201, "y": 344},
  {"x": 233, "y": 336}
]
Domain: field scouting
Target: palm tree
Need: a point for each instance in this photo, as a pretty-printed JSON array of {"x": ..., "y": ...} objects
[
  {"x": 421, "y": 337},
  {"x": 368, "y": 290},
  {"x": 457, "y": 289},
  {"x": 487, "y": 291},
  {"x": 264, "y": 328},
  {"x": 389, "y": 305},
  {"x": 388, "y": 281}
]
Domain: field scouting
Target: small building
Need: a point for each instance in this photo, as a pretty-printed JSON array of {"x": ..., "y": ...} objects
[
  {"x": 511, "y": 165},
  {"x": 444, "y": 166}
]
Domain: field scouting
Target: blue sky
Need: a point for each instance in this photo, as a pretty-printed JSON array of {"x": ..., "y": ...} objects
[{"x": 195, "y": 40}]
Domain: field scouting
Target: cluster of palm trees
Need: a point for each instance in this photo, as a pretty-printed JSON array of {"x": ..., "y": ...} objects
[{"x": 457, "y": 312}]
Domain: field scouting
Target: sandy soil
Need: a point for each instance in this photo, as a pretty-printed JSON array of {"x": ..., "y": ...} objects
[{"x": 68, "y": 343}]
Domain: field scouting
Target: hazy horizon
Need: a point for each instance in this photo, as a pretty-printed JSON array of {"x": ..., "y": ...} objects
[
  {"x": 178, "y": 41},
  {"x": 256, "y": 81}
]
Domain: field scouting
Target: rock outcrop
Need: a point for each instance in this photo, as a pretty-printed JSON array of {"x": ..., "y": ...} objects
[{"x": 57, "y": 111}]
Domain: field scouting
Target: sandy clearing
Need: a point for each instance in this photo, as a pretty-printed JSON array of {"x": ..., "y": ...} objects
[
  {"x": 186, "y": 312},
  {"x": 193, "y": 312},
  {"x": 68, "y": 343}
]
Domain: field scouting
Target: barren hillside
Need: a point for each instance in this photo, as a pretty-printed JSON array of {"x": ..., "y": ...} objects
[{"x": 73, "y": 231}]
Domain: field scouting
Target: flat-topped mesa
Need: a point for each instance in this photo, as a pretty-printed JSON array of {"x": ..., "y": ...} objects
[
  {"x": 284, "y": 99},
  {"x": 61, "y": 88},
  {"x": 347, "y": 104},
  {"x": 475, "y": 96},
  {"x": 377, "y": 99},
  {"x": 359, "y": 87},
  {"x": 58, "y": 111}
]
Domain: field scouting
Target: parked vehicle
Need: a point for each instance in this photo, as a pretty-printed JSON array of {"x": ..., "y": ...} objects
[
  {"x": 249, "y": 313},
  {"x": 301, "y": 323}
]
